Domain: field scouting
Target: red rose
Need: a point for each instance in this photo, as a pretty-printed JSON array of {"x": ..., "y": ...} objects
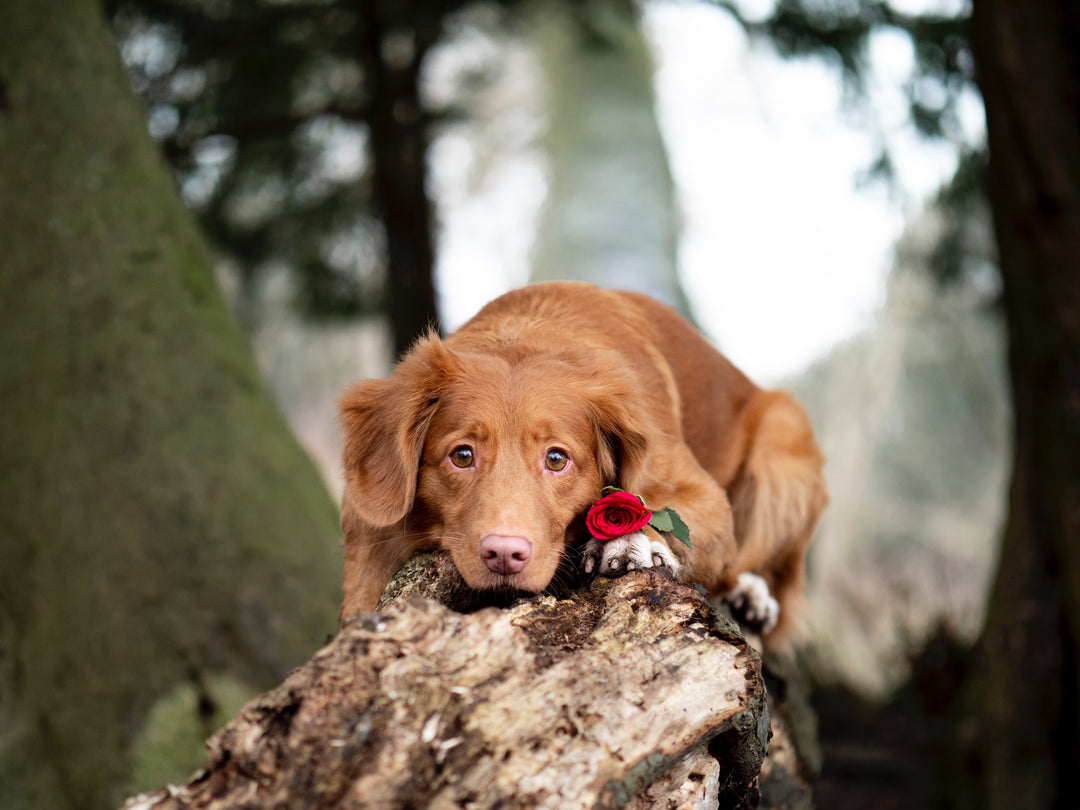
[{"x": 617, "y": 514}]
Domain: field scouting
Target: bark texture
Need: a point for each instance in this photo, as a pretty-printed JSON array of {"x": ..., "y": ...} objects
[
  {"x": 1028, "y": 57},
  {"x": 165, "y": 545},
  {"x": 630, "y": 692}
]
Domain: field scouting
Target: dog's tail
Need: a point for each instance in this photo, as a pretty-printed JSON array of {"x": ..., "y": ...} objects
[{"x": 777, "y": 495}]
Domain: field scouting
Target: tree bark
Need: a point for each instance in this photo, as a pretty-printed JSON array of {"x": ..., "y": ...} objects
[
  {"x": 1027, "y": 686},
  {"x": 629, "y": 693},
  {"x": 162, "y": 535}
]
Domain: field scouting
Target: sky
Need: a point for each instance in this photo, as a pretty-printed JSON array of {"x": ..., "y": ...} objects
[{"x": 782, "y": 254}]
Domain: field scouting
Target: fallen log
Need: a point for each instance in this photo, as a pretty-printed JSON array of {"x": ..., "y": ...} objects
[{"x": 628, "y": 693}]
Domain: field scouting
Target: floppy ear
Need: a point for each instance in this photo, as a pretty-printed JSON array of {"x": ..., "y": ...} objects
[
  {"x": 631, "y": 452},
  {"x": 626, "y": 450},
  {"x": 385, "y": 423}
]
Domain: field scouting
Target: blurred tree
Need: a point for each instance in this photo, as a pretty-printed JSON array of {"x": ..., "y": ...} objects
[
  {"x": 299, "y": 136},
  {"x": 251, "y": 101},
  {"x": 260, "y": 109},
  {"x": 914, "y": 422},
  {"x": 610, "y": 214},
  {"x": 393, "y": 39},
  {"x": 1028, "y": 679},
  {"x": 165, "y": 546}
]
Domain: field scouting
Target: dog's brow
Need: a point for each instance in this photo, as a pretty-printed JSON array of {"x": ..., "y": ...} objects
[
  {"x": 476, "y": 433},
  {"x": 548, "y": 431}
]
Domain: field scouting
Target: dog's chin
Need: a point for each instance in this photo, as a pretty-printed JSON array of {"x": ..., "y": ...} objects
[
  {"x": 522, "y": 583},
  {"x": 494, "y": 591}
]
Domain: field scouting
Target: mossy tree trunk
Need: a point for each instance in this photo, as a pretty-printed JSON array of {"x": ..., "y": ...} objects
[
  {"x": 165, "y": 545},
  {"x": 1027, "y": 684}
]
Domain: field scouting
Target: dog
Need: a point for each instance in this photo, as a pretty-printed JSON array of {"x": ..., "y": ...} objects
[{"x": 493, "y": 444}]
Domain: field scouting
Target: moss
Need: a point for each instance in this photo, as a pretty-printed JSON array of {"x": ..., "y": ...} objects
[
  {"x": 158, "y": 517},
  {"x": 172, "y": 743},
  {"x": 25, "y": 762},
  {"x": 620, "y": 792}
]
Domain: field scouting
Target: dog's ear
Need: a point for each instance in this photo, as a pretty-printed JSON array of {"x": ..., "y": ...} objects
[
  {"x": 631, "y": 453},
  {"x": 624, "y": 447},
  {"x": 385, "y": 423}
]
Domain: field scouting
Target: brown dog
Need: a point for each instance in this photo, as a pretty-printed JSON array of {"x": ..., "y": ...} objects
[{"x": 493, "y": 444}]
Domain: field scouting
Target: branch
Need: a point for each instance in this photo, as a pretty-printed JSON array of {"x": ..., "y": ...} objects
[{"x": 631, "y": 692}]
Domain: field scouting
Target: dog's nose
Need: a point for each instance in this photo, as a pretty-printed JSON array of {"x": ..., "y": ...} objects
[{"x": 505, "y": 554}]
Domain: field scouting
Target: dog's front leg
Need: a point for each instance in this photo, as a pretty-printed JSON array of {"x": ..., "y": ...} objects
[
  {"x": 372, "y": 556},
  {"x": 631, "y": 552}
]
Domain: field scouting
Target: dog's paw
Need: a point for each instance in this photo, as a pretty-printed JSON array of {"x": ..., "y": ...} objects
[
  {"x": 613, "y": 558},
  {"x": 752, "y": 603}
]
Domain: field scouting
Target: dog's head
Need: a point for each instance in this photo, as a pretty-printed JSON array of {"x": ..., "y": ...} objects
[{"x": 497, "y": 453}]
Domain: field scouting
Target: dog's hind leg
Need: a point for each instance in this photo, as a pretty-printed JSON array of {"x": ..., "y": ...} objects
[{"x": 777, "y": 496}]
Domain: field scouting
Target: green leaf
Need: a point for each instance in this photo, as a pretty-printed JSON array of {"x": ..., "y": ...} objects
[
  {"x": 667, "y": 520},
  {"x": 661, "y": 521},
  {"x": 680, "y": 530}
]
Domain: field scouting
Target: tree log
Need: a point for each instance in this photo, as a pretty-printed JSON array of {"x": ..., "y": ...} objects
[{"x": 632, "y": 692}]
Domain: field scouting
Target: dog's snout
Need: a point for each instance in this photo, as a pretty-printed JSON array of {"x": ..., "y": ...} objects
[{"x": 505, "y": 554}]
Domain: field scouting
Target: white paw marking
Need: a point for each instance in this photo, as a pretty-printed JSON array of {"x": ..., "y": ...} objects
[
  {"x": 628, "y": 553},
  {"x": 750, "y": 599}
]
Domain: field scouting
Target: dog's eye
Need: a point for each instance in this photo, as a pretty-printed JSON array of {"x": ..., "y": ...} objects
[
  {"x": 556, "y": 460},
  {"x": 462, "y": 457}
]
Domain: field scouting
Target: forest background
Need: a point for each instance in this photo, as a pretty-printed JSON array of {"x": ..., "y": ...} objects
[{"x": 362, "y": 170}]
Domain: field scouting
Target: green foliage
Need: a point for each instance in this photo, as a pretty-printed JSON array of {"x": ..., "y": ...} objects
[
  {"x": 259, "y": 108},
  {"x": 172, "y": 743},
  {"x": 262, "y": 110},
  {"x": 962, "y": 203},
  {"x": 249, "y": 103},
  {"x": 841, "y": 32}
]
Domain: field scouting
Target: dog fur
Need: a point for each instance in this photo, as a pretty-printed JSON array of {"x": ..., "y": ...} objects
[{"x": 631, "y": 395}]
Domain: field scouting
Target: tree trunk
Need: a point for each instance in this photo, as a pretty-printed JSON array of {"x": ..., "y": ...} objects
[
  {"x": 165, "y": 546},
  {"x": 630, "y": 693},
  {"x": 610, "y": 216},
  {"x": 394, "y": 39},
  {"x": 1027, "y": 685}
]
